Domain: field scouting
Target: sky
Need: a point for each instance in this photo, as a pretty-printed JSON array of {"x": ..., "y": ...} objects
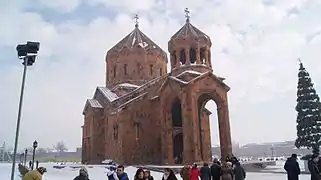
[{"x": 256, "y": 46}]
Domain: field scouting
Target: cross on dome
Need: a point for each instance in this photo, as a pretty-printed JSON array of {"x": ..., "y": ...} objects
[
  {"x": 136, "y": 17},
  {"x": 187, "y": 12}
]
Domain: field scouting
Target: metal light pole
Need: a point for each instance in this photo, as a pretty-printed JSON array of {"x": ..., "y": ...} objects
[
  {"x": 28, "y": 53},
  {"x": 26, "y": 153},
  {"x": 34, "y": 145},
  {"x": 20, "y": 160}
]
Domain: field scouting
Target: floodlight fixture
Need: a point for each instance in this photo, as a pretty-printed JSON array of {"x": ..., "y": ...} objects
[{"x": 28, "y": 52}]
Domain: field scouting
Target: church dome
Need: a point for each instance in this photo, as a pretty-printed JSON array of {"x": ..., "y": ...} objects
[
  {"x": 135, "y": 39},
  {"x": 136, "y": 59},
  {"x": 188, "y": 30}
]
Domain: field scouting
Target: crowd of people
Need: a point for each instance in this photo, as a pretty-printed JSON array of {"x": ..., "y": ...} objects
[{"x": 229, "y": 170}]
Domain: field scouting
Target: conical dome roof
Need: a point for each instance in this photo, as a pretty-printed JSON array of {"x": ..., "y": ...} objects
[
  {"x": 188, "y": 30},
  {"x": 134, "y": 39}
]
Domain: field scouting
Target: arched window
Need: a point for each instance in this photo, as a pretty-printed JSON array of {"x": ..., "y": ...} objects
[
  {"x": 182, "y": 56},
  {"x": 138, "y": 68},
  {"x": 151, "y": 69},
  {"x": 137, "y": 130},
  {"x": 115, "y": 132},
  {"x": 192, "y": 55},
  {"x": 177, "y": 114},
  {"x": 125, "y": 69}
]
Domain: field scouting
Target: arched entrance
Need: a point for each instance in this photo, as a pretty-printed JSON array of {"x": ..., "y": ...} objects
[
  {"x": 178, "y": 148},
  {"x": 207, "y": 116},
  {"x": 177, "y": 124}
]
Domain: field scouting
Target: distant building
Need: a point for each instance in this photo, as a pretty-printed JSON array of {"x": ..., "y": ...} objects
[
  {"x": 79, "y": 150},
  {"x": 145, "y": 115},
  {"x": 266, "y": 149}
]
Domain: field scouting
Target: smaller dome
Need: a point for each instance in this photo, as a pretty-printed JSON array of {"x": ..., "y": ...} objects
[
  {"x": 188, "y": 30},
  {"x": 134, "y": 39}
]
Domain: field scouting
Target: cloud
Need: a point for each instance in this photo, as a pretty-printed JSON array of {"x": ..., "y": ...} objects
[{"x": 255, "y": 46}]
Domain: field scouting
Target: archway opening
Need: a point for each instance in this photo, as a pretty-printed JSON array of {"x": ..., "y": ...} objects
[
  {"x": 208, "y": 120},
  {"x": 178, "y": 148},
  {"x": 192, "y": 54},
  {"x": 177, "y": 114},
  {"x": 182, "y": 56}
]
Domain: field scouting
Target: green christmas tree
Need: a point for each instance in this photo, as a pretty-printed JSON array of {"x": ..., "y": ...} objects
[{"x": 308, "y": 118}]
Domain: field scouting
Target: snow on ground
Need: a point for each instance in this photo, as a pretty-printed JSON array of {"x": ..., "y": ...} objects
[{"x": 99, "y": 173}]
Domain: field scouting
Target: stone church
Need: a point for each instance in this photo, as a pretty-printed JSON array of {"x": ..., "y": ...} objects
[{"x": 146, "y": 115}]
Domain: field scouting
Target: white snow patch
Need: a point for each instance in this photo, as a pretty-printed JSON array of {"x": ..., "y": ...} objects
[
  {"x": 128, "y": 85},
  {"x": 179, "y": 80},
  {"x": 143, "y": 44},
  {"x": 133, "y": 42},
  {"x": 189, "y": 72}
]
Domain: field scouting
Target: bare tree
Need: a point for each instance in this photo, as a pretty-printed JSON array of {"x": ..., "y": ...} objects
[
  {"x": 60, "y": 147},
  {"x": 41, "y": 151},
  {"x": 50, "y": 150},
  {"x": 30, "y": 149}
]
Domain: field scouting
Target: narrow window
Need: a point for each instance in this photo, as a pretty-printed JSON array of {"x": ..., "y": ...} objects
[
  {"x": 114, "y": 71},
  {"x": 125, "y": 69},
  {"x": 161, "y": 71},
  {"x": 137, "y": 131},
  {"x": 115, "y": 132},
  {"x": 138, "y": 68},
  {"x": 151, "y": 69}
]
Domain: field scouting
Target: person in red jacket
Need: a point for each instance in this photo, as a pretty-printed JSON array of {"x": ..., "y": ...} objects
[{"x": 194, "y": 172}]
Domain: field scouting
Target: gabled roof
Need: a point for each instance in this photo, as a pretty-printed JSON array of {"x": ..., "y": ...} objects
[
  {"x": 196, "y": 78},
  {"x": 188, "y": 30},
  {"x": 93, "y": 103},
  {"x": 134, "y": 39},
  {"x": 107, "y": 93}
]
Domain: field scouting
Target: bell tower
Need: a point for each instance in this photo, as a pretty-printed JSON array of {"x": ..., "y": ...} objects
[{"x": 189, "y": 46}]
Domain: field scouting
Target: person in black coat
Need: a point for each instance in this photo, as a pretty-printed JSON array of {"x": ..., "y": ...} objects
[
  {"x": 168, "y": 174},
  {"x": 292, "y": 167},
  {"x": 313, "y": 167},
  {"x": 216, "y": 170},
  {"x": 205, "y": 172},
  {"x": 83, "y": 174}
]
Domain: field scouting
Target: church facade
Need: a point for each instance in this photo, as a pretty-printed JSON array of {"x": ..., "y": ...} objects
[{"x": 146, "y": 115}]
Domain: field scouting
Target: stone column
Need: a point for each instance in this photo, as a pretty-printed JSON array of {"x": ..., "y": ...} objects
[
  {"x": 209, "y": 57},
  {"x": 178, "y": 62},
  {"x": 206, "y": 57},
  {"x": 224, "y": 130},
  {"x": 173, "y": 61},
  {"x": 187, "y": 54},
  {"x": 189, "y": 128},
  {"x": 198, "y": 55}
]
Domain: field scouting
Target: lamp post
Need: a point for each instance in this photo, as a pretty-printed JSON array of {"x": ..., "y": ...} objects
[
  {"x": 26, "y": 153},
  {"x": 34, "y": 145},
  {"x": 27, "y": 52},
  {"x": 21, "y": 159},
  {"x": 272, "y": 152}
]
